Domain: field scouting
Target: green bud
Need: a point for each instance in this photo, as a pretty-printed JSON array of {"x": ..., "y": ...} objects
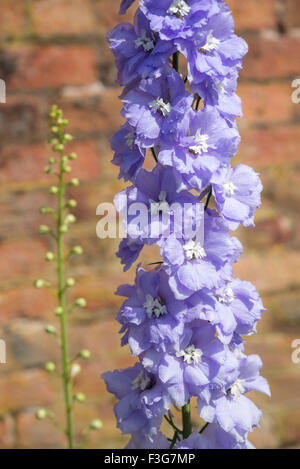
[
  {"x": 81, "y": 302},
  {"x": 63, "y": 229},
  {"x": 53, "y": 190},
  {"x": 96, "y": 424},
  {"x": 74, "y": 182},
  {"x": 49, "y": 256},
  {"x": 54, "y": 129},
  {"x": 67, "y": 169},
  {"x": 72, "y": 203},
  {"x": 73, "y": 156},
  {"x": 48, "y": 170},
  {"x": 79, "y": 397},
  {"x": 75, "y": 369},
  {"x": 53, "y": 141},
  {"x": 50, "y": 367},
  {"x": 58, "y": 311},
  {"x": 52, "y": 161},
  {"x": 40, "y": 283},
  {"x": 70, "y": 218},
  {"x": 58, "y": 147},
  {"x": 70, "y": 282},
  {"x": 68, "y": 138},
  {"x": 65, "y": 159},
  {"x": 85, "y": 354},
  {"x": 41, "y": 414},
  {"x": 46, "y": 210},
  {"x": 50, "y": 330},
  {"x": 43, "y": 229},
  {"x": 77, "y": 250}
]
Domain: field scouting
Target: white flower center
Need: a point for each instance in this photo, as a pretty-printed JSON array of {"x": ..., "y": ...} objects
[
  {"x": 161, "y": 106},
  {"x": 129, "y": 139},
  {"x": 229, "y": 188},
  {"x": 141, "y": 382},
  {"x": 220, "y": 88},
  {"x": 190, "y": 355},
  {"x": 154, "y": 307},
  {"x": 160, "y": 206},
  {"x": 225, "y": 295},
  {"x": 179, "y": 8},
  {"x": 194, "y": 250},
  {"x": 144, "y": 41},
  {"x": 212, "y": 43},
  {"x": 237, "y": 388},
  {"x": 201, "y": 145}
]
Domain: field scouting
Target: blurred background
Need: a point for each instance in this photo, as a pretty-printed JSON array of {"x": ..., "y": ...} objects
[{"x": 54, "y": 51}]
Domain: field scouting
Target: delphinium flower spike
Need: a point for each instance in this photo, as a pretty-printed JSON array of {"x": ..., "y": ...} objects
[
  {"x": 185, "y": 320},
  {"x": 59, "y": 166}
]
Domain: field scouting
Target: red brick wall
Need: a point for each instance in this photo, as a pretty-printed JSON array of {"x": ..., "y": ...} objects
[{"x": 54, "y": 51}]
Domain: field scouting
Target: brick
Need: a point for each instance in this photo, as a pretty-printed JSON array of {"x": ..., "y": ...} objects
[
  {"x": 22, "y": 117},
  {"x": 62, "y": 16},
  {"x": 271, "y": 146},
  {"x": 11, "y": 15},
  {"x": 266, "y": 103},
  {"x": 26, "y": 302},
  {"x": 42, "y": 434},
  {"x": 272, "y": 57},
  {"x": 26, "y": 163},
  {"x": 109, "y": 14},
  {"x": 7, "y": 439},
  {"x": 97, "y": 113},
  {"x": 266, "y": 271},
  {"x": 21, "y": 258},
  {"x": 254, "y": 14},
  {"x": 23, "y": 389},
  {"x": 53, "y": 66},
  {"x": 292, "y": 14}
]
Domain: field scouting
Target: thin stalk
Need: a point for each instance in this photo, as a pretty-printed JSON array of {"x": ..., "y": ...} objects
[
  {"x": 61, "y": 300},
  {"x": 186, "y": 420}
]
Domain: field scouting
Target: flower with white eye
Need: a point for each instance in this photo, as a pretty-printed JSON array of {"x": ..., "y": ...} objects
[{"x": 190, "y": 355}]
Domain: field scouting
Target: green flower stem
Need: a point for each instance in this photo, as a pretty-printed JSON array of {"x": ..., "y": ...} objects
[
  {"x": 186, "y": 420},
  {"x": 61, "y": 300}
]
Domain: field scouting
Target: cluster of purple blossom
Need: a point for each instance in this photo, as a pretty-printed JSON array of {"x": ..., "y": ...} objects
[{"x": 185, "y": 319}]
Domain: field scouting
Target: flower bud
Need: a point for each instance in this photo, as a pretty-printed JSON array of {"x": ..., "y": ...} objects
[
  {"x": 70, "y": 218},
  {"x": 68, "y": 138},
  {"x": 79, "y": 397},
  {"x": 77, "y": 250},
  {"x": 85, "y": 354},
  {"x": 44, "y": 229},
  {"x": 81, "y": 302},
  {"x": 96, "y": 424},
  {"x": 58, "y": 311},
  {"x": 70, "y": 282},
  {"x": 72, "y": 203},
  {"x": 39, "y": 283},
  {"x": 52, "y": 160},
  {"x": 41, "y": 414},
  {"x": 46, "y": 210},
  {"x": 74, "y": 182},
  {"x": 50, "y": 367},
  {"x": 63, "y": 229},
  {"x": 73, "y": 156},
  {"x": 53, "y": 190},
  {"x": 75, "y": 369},
  {"x": 50, "y": 330},
  {"x": 49, "y": 256},
  {"x": 67, "y": 169}
]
